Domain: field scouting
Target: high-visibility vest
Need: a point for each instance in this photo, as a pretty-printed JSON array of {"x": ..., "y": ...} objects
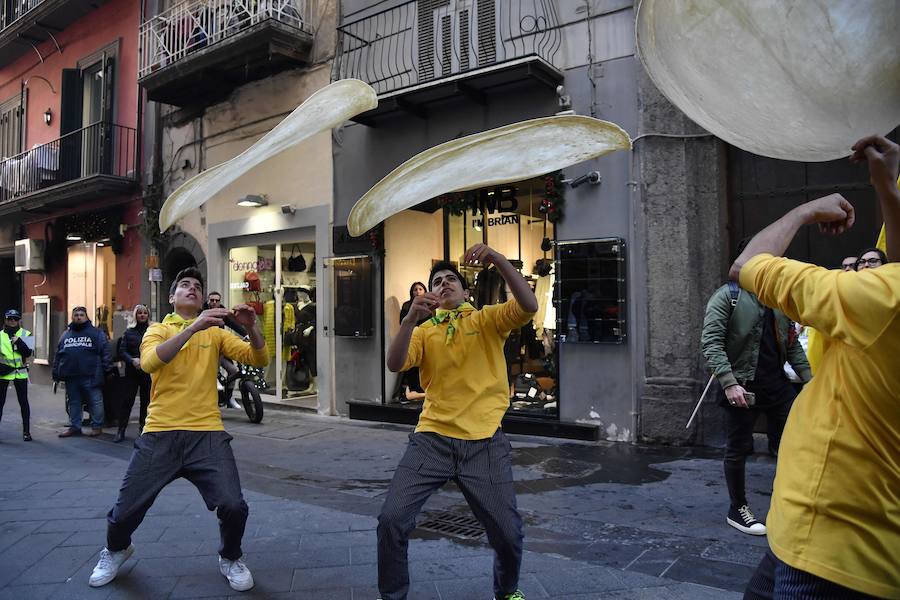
[{"x": 10, "y": 357}]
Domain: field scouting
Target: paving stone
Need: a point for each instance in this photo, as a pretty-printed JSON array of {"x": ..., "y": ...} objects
[
  {"x": 141, "y": 588},
  {"x": 57, "y": 566},
  {"x": 28, "y": 592},
  {"x": 24, "y": 553}
]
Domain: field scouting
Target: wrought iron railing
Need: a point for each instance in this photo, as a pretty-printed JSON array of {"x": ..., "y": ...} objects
[
  {"x": 195, "y": 24},
  {"x": 13, "y": 10},
  {"x": 426, "y": 40},
  {"x": 99, "y": 149}
]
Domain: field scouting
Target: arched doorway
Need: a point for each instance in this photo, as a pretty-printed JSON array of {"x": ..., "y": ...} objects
[{"x": 183, "y": 252}]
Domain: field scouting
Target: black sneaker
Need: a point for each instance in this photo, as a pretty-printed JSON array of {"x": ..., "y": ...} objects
[{"x": 743, "y": 520}]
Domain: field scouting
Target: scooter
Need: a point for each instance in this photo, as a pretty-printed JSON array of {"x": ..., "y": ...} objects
[{"x": 248, "y": 381}]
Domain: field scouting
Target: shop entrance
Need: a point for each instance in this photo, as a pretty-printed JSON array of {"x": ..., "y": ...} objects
[
  {"x": 279, "y": 282},
  {"x": 91, "y": 282},
  {"x": 509, "y": 219}
]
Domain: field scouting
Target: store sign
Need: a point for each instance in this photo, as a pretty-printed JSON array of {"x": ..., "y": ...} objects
[
  {"x": 260, "y": 264},
  {"x": 155, "y": 275},
  {"x": 512, "y": 219},
  {"x": 495, "y": 202},
  {"x": 239, "y": 285}
]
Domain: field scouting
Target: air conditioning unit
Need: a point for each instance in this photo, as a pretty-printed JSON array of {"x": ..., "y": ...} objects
[{"x": 29, "y": 255}]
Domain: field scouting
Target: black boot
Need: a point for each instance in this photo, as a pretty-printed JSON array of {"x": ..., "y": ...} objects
[
  {"x": 26, "y": 435},
  {"x": 120, "y": 435}
]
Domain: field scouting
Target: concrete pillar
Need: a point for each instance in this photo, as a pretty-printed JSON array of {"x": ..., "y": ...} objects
[{"x": 682, "y": 217}]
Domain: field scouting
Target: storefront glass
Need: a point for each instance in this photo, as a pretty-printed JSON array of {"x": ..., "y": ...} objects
[
  {"x": 279, "y": 282},
  {"x": 506, "y": 218},
  {"x": 91, "y": 282}
]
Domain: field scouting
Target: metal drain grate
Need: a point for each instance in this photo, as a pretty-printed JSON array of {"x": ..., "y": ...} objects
[{"x": 447, "y": 523}]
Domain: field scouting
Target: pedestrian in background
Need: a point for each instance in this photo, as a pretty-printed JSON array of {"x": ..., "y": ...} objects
[
  {"x": 746, "y": 345},
  {"x": 136, "y": 380},
  {"x": 82, "y": 361},
  {"x": 13, "y": 352},
  {"x": 871, "y": 258}
]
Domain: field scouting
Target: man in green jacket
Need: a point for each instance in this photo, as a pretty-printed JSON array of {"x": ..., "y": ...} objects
[
  {"x": 13, "y": 352},
  {"x": 746, "y": 345}
]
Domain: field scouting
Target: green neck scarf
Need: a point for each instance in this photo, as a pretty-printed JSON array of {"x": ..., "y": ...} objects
[
  {"x": 451, "y": 316},
  {"x": 178, "y": 320}
]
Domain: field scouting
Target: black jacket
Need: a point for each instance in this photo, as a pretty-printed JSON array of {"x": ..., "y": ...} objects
[
  {"x": 129, "y": 347},
  {"x": 83, "y": 351}
]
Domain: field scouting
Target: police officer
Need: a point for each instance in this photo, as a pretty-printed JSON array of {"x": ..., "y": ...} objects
[{"x": 13, "y": 352}]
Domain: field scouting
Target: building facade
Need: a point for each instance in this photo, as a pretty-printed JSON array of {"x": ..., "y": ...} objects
[
  {"x": 644, "y": 239},
  {"x": 221, "y": 75},
  {"x": 70, "y": 194}
]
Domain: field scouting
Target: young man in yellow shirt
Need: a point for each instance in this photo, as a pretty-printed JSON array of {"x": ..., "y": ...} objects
[
  {"x": 459, "y": 352},
  {"x": 183, "y": 435},
  {"x": 834, "y": 522}
]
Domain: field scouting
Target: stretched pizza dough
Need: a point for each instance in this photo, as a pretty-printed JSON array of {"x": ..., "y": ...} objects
[
  {"x": 795, "y": 80},
  {"x": 324, "y": 110},
  {"x": 504, "y": 155}
]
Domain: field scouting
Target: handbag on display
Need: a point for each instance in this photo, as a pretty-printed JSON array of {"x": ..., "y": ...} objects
[
  {"x": 312, "y": 265},
  {"x": 297, "y": 375},
  {"x": 296, "y": 264},
  {"x": 256, "y": 304},
  {"x": 251, "y": 278}
]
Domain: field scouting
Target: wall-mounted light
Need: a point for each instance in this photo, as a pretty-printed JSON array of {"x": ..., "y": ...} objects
[
  {"x": 253, "y": 201},
  {"x": 73, "y": 237},
  {"x": 48, "y": 116}
]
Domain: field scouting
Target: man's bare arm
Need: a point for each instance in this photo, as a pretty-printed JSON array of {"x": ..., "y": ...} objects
[
  {"x": 481, "y": 253},
  {"x": 883, "y": 157}
]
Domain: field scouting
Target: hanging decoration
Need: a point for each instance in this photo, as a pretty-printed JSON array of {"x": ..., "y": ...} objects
[{"x": 554, "y": 197}]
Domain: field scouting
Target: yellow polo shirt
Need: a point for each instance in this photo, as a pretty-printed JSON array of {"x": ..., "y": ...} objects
[
  {"x": 835, "y": 508},
  {"x": 183, "y": 391},
  {"x": 465, "y": 382}
]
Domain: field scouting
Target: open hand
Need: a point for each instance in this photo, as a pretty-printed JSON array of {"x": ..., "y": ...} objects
[
  {"x": 883, "y": 156},
  {"x": 480, "y": 254},
  {"x": 212, "y": 317},
  {"x": 833, "y": 213},
  {"x": 244, "y": 315},
  {"x": 136, "y": 363},
  {"x": 422, "y": 307}
]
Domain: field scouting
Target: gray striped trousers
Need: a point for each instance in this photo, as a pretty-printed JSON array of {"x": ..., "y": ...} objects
[{"x": 483, "y": 471}]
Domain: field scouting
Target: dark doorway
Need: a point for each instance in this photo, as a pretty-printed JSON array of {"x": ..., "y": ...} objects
[
  {"x": 176, "y": 260},
  {"x": 10, "y": 294}
]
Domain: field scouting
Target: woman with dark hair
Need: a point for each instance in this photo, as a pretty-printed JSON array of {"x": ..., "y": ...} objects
[
  {"x": 871, "y": 258},
  {"x": 408, "y": 386},
  {"x": 416, "y": 289},
  {"x": 136, "y": 380}
]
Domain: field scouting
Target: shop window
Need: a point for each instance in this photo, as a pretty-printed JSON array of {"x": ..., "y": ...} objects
[
  {"x": 353, "y": 294},
  {"x": 590, "y": 291},
  {"x": 41, "y": 330}
]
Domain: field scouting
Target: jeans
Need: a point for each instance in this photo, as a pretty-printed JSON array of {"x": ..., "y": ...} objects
[
  {"x": 739, "y": 424},
  {"x": 483, "y": 471},
  {"x": 777, "y": 580},
  {"x": 82, "y": 390},
  {"x": 202, "y": 457}
]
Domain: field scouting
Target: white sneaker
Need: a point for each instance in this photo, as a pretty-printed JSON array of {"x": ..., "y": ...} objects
[
  {"x": 108, "y": 566},
  {"x": 234, "y": 403},
  {"x": 237, "y": 574}
]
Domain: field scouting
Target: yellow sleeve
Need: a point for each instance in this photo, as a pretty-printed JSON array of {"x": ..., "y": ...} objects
[
  {"x": 416, "y": 350},
  {"x": 233, "y": 347},
  {"x": 854, "y": 307},
  {"x": 508, "y": 316},
  {"x": 154, "y": 336}
]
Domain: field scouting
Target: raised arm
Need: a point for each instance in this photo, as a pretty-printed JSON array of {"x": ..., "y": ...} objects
[
  {"x": 521, "y": 291},
  {"x": 883, "y": 157},
  {"x": 398, "y": 354}
]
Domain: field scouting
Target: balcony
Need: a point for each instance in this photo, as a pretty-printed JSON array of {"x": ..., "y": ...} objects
[
  {"x": 26, "y": 23},
  {"x": 198, "y": 51},
  {"x": 98, "y": 160},
  {"x": 425, "y": 51}
]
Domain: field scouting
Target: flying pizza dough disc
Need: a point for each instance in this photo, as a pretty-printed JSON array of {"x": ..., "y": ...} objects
[
  {"x": 795, "y": 80},
  {"x": 504, "y": 155},
  {"x": 326, "y": 109}
]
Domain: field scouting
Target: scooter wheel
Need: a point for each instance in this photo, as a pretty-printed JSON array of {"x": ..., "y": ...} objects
[{"x": 252, "y": 401}]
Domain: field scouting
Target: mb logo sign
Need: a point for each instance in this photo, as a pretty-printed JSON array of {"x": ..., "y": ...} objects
[{"x": 495, "y": 202}]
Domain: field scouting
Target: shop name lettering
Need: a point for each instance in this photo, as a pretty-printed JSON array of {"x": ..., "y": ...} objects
[
  {"x": 261, "y": 264},
  {"x": 494, "y": 205},
  {"x": 492, "y": 221}
]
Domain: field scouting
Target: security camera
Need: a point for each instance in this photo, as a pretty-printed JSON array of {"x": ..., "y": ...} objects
[
  {"x": 593, "y": 178},
  {"x": 288, "y": 209}
]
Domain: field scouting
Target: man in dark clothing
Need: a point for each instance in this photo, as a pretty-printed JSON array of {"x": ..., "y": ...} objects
[
  {"x": 135, "y": 379},
  {"x": 82, "y": 361},
  {"x": 13, "y": 352},
  {"x": 746, "y": 345},
  {"x": 214, "y": 300}
]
